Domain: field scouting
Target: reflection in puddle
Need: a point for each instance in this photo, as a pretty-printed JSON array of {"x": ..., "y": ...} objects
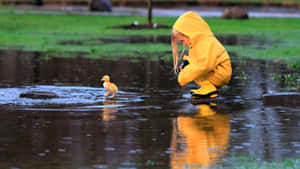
[
  {"x": 109, "y": 110},
  {"x": 200, "y": 140}
]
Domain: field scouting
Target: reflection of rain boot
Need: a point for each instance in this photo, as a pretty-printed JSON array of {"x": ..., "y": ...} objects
[
  {"x": 207, "y": 89},
  {"x": 205, "y": 110}
]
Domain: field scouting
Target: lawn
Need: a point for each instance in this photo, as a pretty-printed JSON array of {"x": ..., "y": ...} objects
[
  {"x": 252, "y": 162},
  {"x": 45, "y": 33}
]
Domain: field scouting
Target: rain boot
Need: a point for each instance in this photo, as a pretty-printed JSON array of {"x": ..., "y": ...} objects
[{"x": 207, "y": 90}]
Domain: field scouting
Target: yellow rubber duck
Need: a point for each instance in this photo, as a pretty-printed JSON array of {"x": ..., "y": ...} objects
[{"x": 110, "y": 87}]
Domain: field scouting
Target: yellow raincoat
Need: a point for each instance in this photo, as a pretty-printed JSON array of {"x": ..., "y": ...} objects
[{"x": 208, "y": 59}]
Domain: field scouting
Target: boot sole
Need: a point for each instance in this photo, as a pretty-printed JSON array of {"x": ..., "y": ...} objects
[{"x": 204, "y": 96}]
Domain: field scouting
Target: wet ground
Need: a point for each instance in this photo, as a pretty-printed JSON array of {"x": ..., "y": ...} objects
[
  {"x": 151, "y": 123},
  {"x": 231, "y": 39}
]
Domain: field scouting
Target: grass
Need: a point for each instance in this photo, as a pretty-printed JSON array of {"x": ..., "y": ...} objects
[
  {"x": 45, "y": 32},
  {"x": 242, "y": 162},
  {"x": 291, "y": 80},
  {"x": 245, "y": 162}
]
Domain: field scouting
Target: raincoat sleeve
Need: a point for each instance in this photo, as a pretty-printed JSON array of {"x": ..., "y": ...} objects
[{"x": 202, "y": 59}]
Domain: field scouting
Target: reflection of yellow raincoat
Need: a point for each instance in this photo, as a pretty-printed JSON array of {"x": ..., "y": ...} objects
[
  {"x": 200, "y": 140},
  {"x": 208, "y": 59}
]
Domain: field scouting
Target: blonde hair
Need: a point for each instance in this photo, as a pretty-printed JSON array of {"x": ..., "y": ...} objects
[{"x": 176, "y": 59}]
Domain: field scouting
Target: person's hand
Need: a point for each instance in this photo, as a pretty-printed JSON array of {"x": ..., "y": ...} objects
[
  {"x": 181, "y": 67},
  {"x": 176, "y": 70},
  {"x": 183, "y": 64}
]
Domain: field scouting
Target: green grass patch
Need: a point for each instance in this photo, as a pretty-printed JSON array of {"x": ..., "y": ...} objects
[
  {"x": 245, "y": 162},
  {"x": 46, "y": 32}
]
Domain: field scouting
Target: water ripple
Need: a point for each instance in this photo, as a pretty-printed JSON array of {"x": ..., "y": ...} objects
[{"x": 67, "y": 95}]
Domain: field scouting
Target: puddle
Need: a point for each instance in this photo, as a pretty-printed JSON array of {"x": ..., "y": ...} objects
[
  {"x": 244, "y": 40},
  {"x": 79, "y": 96},
  {"x": 133, "y": 39},
  {"x": 151, "y": 122}
]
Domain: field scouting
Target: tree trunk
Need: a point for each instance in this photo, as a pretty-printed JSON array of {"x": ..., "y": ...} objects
[
  {"x": 150, "y": 12},
  {"x": 38, "y": 2}
]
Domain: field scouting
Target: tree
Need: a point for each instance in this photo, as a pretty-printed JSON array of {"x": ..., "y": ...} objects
[
  {"x": 150, "y": 12},
  {"x": 38, "y": 2}
]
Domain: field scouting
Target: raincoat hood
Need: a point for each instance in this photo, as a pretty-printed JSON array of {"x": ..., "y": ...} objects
[{"x": 191, "y": 24}]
